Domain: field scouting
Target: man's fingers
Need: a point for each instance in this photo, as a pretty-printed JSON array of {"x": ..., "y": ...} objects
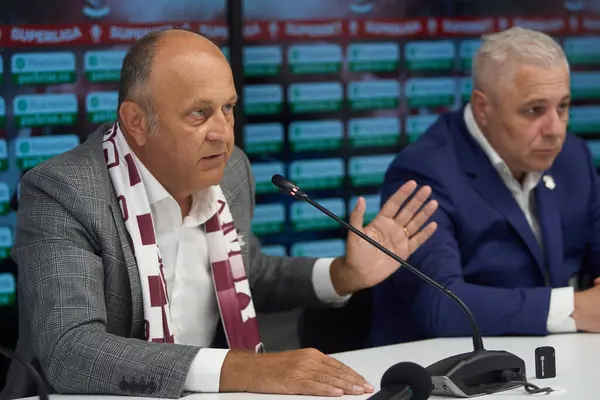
[
  {"x": 347, "y": 386},
  {"x": 417, "y": 240},
  {"x": 344, "y": 370},
  {"x": 357, "y": 215},
  {"x": 597, "y": 281},
  {"x": 393, "y": 204},
  {"x": 411, "y": 208},
  {"x": 313, "y": 388},
  {"x": 423, "y": 216}
]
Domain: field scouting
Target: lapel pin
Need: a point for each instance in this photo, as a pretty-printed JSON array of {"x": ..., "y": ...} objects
[{"x": 549, "y": 182}]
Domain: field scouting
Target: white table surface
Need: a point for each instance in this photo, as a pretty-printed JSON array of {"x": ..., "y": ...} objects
[{"x": 577, "y": 366}]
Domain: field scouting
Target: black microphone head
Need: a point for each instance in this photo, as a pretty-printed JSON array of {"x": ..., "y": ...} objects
[
  {"x": 409, "y": 374},
  {"x": 288, "y": 187},
  {"x": 278, "y": 180}
]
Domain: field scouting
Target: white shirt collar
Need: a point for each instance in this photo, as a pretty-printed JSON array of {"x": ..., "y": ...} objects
[
  {"x": 531, "y": 178},
  {"x": 203, "y": 202}
]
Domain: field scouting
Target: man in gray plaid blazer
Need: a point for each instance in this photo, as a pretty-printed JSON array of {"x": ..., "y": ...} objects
[{"x": 83, "y": 323}]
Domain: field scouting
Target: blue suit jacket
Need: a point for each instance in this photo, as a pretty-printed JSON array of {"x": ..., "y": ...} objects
[{"x": 484, "y": 250}]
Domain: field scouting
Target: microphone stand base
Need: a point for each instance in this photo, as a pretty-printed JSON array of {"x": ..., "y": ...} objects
[{"x": 475, "y": 374}]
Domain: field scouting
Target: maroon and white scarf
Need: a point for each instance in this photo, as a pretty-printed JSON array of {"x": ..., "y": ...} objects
[{"x": 229, "y": 275}]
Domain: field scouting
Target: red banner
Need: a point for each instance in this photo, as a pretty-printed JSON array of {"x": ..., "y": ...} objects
[
  {"x": 590, "y": 24},
  {"x": 262, "y": 31},
  {"x": 467, "y": 26},
  {"x": 386, "y": 28},
  {"x": 332, "y": 29}
]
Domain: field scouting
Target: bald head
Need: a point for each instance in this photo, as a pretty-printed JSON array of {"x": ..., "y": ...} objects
[{"x": 157, "y": 49}]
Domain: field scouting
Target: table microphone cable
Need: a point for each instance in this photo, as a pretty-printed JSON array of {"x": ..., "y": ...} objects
[
  {"x": 515, "y": 380},
  {"x": 39, "y": 382}
]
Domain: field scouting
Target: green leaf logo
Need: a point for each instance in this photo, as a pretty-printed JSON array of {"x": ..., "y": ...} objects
[
  {"x": 22, "y": 105},
  {"x": 20, "y": 63},
  {"x": 24, "y": 147}
]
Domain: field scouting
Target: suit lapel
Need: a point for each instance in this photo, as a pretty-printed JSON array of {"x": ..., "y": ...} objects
[
  {"x": 137, "y": 306},
  {"x": 550, "y": 226},
  {"x": 491, "y": 187}
]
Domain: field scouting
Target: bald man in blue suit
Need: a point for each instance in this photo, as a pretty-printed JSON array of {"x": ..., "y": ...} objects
[{"x": 519, "y": 207}]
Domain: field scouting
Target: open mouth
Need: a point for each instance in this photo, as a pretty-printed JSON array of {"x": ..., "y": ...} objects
[{"x": 213, "y": 157}]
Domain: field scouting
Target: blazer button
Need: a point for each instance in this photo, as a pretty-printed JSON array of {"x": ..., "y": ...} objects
[{"x": 124, "y": 385}]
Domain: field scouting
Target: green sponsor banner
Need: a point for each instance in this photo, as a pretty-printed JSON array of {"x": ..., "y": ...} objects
[
  {"x": 319, "y": 58},
  {"x": 30, "y": 151},
  {"x": 368, "y": 170},
  {"x": 262, "y": 60},
  {"x": 329, "y": 248},
  {"x": 8, "y": 289},
  {"x": 585, "y": 85},
  {"x": 315, "y": 97},
  {"x": 6, "y": 242},
  {"x": 316, "y": 135},
  {"x": 374, "y": 132},
  {"x": 584, "y": 119},
  {"x": 43, "y": 68},
  {"x": 305, "y": 217},
  {"x": 276, "y": 250},
  {"x": 430, "y": 55},
  {"x": 466, "y": 88},
  {"x": 430, "y": 92},
  {"x": 263, "y": 172},
  {"x": 263, "y": 99},
  {"x": 373, "y": 57},
  {"x": 45, "y": 109},
  {"x": 583, "y": 50},
  {"x": 376, "y": 94},
  {"x": 3, "y": 155},
  {"x": 2, "y": 112},
  {"x": 103, "y": 66},
  {"x": 263, "y": 138},
  {"x": 467, "y": 50},
  {"x": 268, "y": 219},
  {"x": 318, "y": 174},
  {"x": 5, "y": 196},
  {"x": 101, "y": 106},
  {"x": 594, "y": 146},
  {"x": 416, "y": 125}
]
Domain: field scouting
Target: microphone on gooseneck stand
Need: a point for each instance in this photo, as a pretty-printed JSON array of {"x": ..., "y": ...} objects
[
  {"x": 470, "y": 374},
  {"x": 41, "y": 387}
]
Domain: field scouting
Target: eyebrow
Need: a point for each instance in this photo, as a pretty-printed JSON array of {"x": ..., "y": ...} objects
[
  {"x": 544, "y": 101},
  {"x": 208, "y": 102}
]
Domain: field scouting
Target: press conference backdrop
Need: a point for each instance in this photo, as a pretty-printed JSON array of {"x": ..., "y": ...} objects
[{"x": 334, "y": 89}]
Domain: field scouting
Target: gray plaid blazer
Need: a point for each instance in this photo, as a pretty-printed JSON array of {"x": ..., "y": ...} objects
[{"x": 81, "y": 320}]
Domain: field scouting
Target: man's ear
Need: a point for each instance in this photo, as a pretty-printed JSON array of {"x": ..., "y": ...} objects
[
  {"x": 480, "y": 104},
  {"x": 135, "y": 121}
]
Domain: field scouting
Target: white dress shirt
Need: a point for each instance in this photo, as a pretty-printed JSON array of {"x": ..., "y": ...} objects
[
  {"x": 192, "y": 299},
  {"x": 561, "y": 299}
]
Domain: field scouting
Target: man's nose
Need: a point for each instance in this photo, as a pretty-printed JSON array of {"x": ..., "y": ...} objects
[
  {"x": 555, "y": 124},
  {"x": 220, "y": 128}
]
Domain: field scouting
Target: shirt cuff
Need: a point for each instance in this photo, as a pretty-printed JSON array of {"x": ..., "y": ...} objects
[
  {"x": 205, "y": 371},
  {"x": 562, "y": 304},
  {"x": 323, "y": 284}
]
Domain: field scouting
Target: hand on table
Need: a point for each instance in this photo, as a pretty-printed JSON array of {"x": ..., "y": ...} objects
[
  {"x": 399, "y": 226},
  {"x": 301, "y": 372},
  {"x": 587, "y": 309}
]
